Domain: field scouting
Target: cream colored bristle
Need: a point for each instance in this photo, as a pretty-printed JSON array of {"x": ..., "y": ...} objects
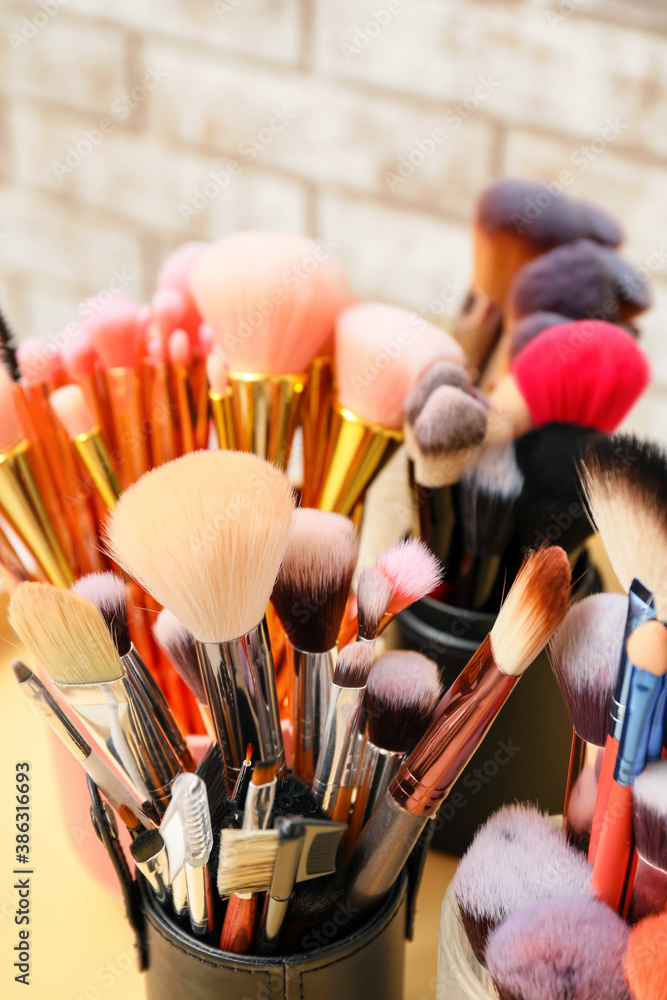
[
  {"x": 247, "y": 860},
  {"x": 70, "y": 406},
  {"x": 532, "y": 611},
  {"x": 66, "y": 633},
  {"x": 647, "y": 648},
  {"x": 205, "y": 535}
]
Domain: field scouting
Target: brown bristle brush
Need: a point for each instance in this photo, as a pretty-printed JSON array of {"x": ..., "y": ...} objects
[
  {"x": 179, "y": 645},
  {"x": 446, "y": 436},
  {"x": 309, "y": 597}
]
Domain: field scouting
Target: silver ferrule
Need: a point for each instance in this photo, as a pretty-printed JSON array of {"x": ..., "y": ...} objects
[
  {"x": 381, "y": 851},
  {"x": 353, "y": 761},
  {"x": 282, "y": 886},
  {"x": 200, "y": 899},
  {"x": 140, "y": 675},
  {"x": 341, "y": 728},
  {"x": 123, "y": 725},
  {"x": 241, "y": 688},
  {"x": 258, "y": 805},
  {"x": 156, "y": 873},
  {"x": 312, "y": 676},
  {"x": 179, "y": 892},
  {"x": 379, "y": 767}
]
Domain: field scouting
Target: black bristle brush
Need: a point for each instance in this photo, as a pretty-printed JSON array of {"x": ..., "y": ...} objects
[{"x": 8, "y": 348}]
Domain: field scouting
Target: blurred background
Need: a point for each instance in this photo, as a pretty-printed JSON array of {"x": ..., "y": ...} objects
[{"x": 130, "y": 127}]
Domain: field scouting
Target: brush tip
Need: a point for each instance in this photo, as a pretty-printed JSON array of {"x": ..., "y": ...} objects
[
  {"x": 450, "y": 420},
  {"x": 180, "y": 349},
  {"x": 412, "y": 571},
  {"x": 21, "y": 671},
  {"x": 146, "y": 846},
  {"x": 264, "y": 772},
  {"x": 38, "y": 360},
  {"x": 353, "y": 665},
  {"x": 402, "y": 690},
  {"x": 70, "y": 406},
  {"x": 216, "y": 370},
  {"x": 374, "y": 594}
]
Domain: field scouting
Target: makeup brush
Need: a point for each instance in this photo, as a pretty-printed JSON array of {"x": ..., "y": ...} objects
[
  {"x": 309, "y": 598},
  {"x": 380, "y": 352},
  {"x": 570, "y": 948},
  {"x": 647, "y": 651},
  {"x": 79, "y": 359},
  {"x": 533, "y": 609},
  {"x": 70, "y": 407},
  {"x": 531, "y": 326},
  {"x": 179, "y": 645},
  {"x": 649, "y": 895},
  {"x": 227, "y": 517},
  {"x": 247, "y": 861},
  {"x": 343, "y": 720},
  {"x": 374, "y": 592},
  {"x": 517, "y": 857},
  {"x": 402, "y": 690},
  {"x": 220, "y": 399},
  {"x": 173, "y": 833},
  {"x": 446, "y": 436},
  {"x": 112, "y": 788},
  {"x": 175, "y": 274},
  {"x": 150, "y": 857},
  {"x": 8, "y": 348},
  {"x": 488, "y": 495},
  {"x": 272, "y": 300},
  {"x": 646, "y": 959},
  {"x": 584, "y": 655},
  {"x": 20, "y": 499},
  {"x": 107, "y": 592},
  {"x": 589, "y": 373},
  {"x": 67, "y": 634},
  {"x": 440, "y": 373}
]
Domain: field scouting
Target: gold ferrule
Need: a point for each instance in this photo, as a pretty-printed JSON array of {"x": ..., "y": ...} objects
[
  {"x": 356, "y": 452},
  {"x": 24, "y": 508},
  {"x": 94, "y": 455},
  {"x": 266, "y": 411},
  {"x": 223, "y": 418}
]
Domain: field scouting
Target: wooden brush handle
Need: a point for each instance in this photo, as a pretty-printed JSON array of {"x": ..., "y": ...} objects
[
  {"x": 604, "y": 787},
  {"x": 238, "y": 929},
  {"x": 615, "y": 848}
]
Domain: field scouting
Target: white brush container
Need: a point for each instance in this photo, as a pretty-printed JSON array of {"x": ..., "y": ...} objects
[{"x": 460, "y": 976}]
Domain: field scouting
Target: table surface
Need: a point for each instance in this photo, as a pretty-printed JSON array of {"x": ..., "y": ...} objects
[{"x": 80, "y": 941}]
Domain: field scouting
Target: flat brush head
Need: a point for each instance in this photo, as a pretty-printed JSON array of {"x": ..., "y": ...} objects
[
  {"x": 450, "y": 420},
  {"x": 412, "y": 570},
  {"x": 585, "y": 653},
  {"x": 205, "y": 535},
  {"x": 246, "y": 861},
  {"x": 374, "y": 594},
  {"x": 532, "y": 326},
  {"x": 107, "y": 592},
  {"x": 624, "y": 481},
  {"x": 8, "y": 348},
  {"x": 11, "y": 431},
  {"x": 646, "y": 959},
  {"x": 70, "y": 406},
  {"x": 570, "y": 948},
  {"x": 179, "y": 645},
  {"x": 489, "y": 492},
  {"x": 314, "y": 579},
  {"x": 380, "y": 352},
  {"x": 650, "y": 814},
  {"x": 402, "y": 690},
  {"x": 147, "y": 845},
  {"x": 264, "y": 772},
  {"x": 353, "y": 665},
  {"x": 438, "y": 374},
  {"x": 66, "y": 633},
  {"x": 532, "y": 611}
]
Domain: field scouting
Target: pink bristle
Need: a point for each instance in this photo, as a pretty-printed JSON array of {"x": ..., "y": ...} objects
[
  {"x": 70, "y": 406},
  {"x": 168, "y": 308},
  {"x": 11, "y": 431},
  {"x": 271, "y": 299},
  {"x": 156, "y": 350},
  {"x": 216, "y": 370},
  {"x": 564, "y": 947},
  {"x": 38, "y": 360},
  {"x": 115, "y": 333},
  {"x": 581, "y": 804},
  {"x": 175, "y": 274},
  {"x": 78, "y": 355},
  {"x": 180, "y": 349},
  {"x": 205, "y": 339},
  {"x": 381, "y": 351},
  {"x": 374, "y": 593},
  {"x": 412, "y": 570}
]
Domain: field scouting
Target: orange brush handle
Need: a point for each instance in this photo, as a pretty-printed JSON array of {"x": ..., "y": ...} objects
[
  {"x": 604, "y": 787},
  {"x": 238, "y": 929},
  {"x": 615, "y": 847}
]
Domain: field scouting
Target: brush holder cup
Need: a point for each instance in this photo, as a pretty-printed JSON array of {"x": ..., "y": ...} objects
[
  {"x": 525, "y": 754},
  {"x": 460, "y": 976}
]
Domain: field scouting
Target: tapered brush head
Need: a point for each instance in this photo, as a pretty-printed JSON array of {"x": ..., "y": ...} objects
[
  {"x": 314, "y": 580},
  {"x": 450, "y": 420},
  {"x": 66, "y": 633},
  {"x": 380, "y": 352},
  {"x": 438, "y": 374},
  {"x": 532, "y": 326},
  {"x": 179, "y": 348},
  {"x": 650, "y": 814},
  {"x": 179, "y": 644},
  {"x": 115, "y": 333},
  {"x": 585, "y": 653},
  {"x": 107, "y": 592},
  {"x": 205, "y": 535},
  {"x": 570, "y": 948},
  {"x": 589, "y": 373},
  {"x": 517, "y": 857},
  {"x": 624, "y": 481},
  {"x": 70, "y": 406},
  {"x": 510, "y": 204},
  {"x": 489, "y": 492},
  {"x": 39, "y": 361},
  {"x": 8, "y": 348},
  {"x": 535, "y": 606},
  {"x": 353, "y": 665},
  {"x": 22, "y": 672},
  {"x": 374, "y": 595},
  {"x": 271, "y": 298},
  {"x": 264, "y": 772},
  {"x": 646, "y": 959},
  {"x": 11, "y": 431},
  {"x": 147, "y": 845},
  {"x": 402, "y": 690},
  {"x": 412, "y": 570},
  {"x": 79, "y": 354},
  {"x": 217, "y": 370}
]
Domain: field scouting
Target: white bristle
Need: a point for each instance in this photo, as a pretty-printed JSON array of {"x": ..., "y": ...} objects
[
  {"x": 450, "y": 420},
  {"x": 412, "y": 570},
  {"x": 650, "y": 787},
  {"x": 247, "y": 860},
  {"x": 107, "y": 592},
  {"x": 216, "y": 370},
  {"x": 353, "y": 664},
  {"x": 70, "y": 406},
  {"x": 374, "y": 594}
]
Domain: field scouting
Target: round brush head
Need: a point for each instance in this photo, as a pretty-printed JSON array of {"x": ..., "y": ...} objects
[
  {"x": 438, "y": 374},
  {"x": 115, "y": 333},
  {"x": 70, "y": 406},
  {"x": 532, "y": 326},
  {"x": 78, "y": 354},
  {"x": 450, "y": 420},
  {"x": 402, "y": 690},
  {"x": 107, "y": 592},
  {"x": 646, "y": 959},
  {"x": 374, "y": 593}
]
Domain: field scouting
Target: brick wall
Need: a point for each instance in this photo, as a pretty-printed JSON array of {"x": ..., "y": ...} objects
[{"x": 129, "y": 126}]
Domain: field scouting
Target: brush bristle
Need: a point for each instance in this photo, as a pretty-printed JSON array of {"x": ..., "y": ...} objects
[
  {"x": 374, "y": 594},
  {"x": 205, "y": 535},
  {"x": 585, "y": 653},
  {"x": 646, "y": 959},
  {"x": 517, "y": 857},
  {"x": 647, "y": 648},
  {"x": 489, "y": 492},
  {"x": 38, "y": 360},
  {"x": 532, "y": 326},
  {"x": 264, "y": 772},
  {"x": 412, "y": 570},
  {"x": 272, "y": 299},
  {"x": 570, "y": 948},
  {"x": 402, "y": 690},
  {"x": 66, "y": 633},
  {"x": 625, "y": 484},
  {"x": 115, "y": 333},
  {"x": 78, "y": 354},
  {"x": 70, "y": 406},
  {"x": 247, "y": 860},
  {"x": 107, "y": 592},
  {"x": 650, "y": 814},
  {"x": 380, "y": 352},
  {"x": 8, "y": 348},
  {"x": 11, "y": 431},
  {"x": 21, "y": 671},
  {"x": 581, "y": 808},
  {"x": 180, "y": 349},
  {"x": 216, "y": 370},
  {"x": 179, "y": 645},
  {"x": 314, "y": 579},
  {"x": 450, "y": 420},
  {"x": 438, "y": 374},
  {"x": 532, "y": 611},
  {"x": 147, "y": 845},
  {"x": 353, "y": 664}
]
